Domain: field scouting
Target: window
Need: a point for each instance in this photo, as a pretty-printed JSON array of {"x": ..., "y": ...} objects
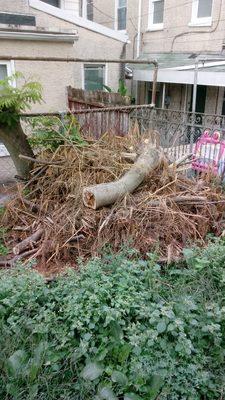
[
  {"x": 55, "y": 3},
  {"x": 202, "y": 12},
  {"x": 156, "y": 14},
  {"x": 87, "y": 9},
  {"x": 3, "y": 71},
  {"x": 17, "y": 19},
  {"x": 121, "y": 15},
  {"x": 90, "y": 10},
  {"x": 94, "y": 77}
]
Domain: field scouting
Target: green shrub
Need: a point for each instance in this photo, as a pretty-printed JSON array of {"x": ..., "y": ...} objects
[
  {"x": 3, "y": 249},
  {"x": 52, "y": 132},
  {"x": 121, "y": 328}
]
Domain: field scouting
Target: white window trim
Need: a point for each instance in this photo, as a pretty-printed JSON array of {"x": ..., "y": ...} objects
[
  {"x": 61, "y": 4},
  {"x": 10, "y": 66},
  {"x": 84, "y": 9},
  {"x": 151, "y": 25},
  {"x": 79, "y": 21},
  {"x": 195, "y": 21},
  {"x": 116, "y": 17},
  {"x": 93, "y": 64}
]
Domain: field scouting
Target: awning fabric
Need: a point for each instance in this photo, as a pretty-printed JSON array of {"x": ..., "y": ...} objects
[{"x": 180, "y": 68}]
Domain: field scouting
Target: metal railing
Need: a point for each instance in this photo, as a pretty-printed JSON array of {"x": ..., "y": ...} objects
[{"x": 178, "y": 130}]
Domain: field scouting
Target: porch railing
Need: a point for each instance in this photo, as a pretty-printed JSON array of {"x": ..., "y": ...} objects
[{"x": 178, "y": 130}]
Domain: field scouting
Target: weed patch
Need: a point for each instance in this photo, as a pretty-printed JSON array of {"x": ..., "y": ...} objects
[{"x": 120, "y": 328}]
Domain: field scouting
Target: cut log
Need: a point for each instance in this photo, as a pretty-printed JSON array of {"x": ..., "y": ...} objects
[
  {"x": 28, "y": 242},
  {"x": 106, "y": 194}
]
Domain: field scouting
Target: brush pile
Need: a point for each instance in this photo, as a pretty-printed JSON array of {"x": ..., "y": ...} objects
[{"x": 49, "y": 222}]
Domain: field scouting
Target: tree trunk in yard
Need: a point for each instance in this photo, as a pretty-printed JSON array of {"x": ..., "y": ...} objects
[
  {"x": 108, "y": 193},
  {"x": 16, "y": 142}
]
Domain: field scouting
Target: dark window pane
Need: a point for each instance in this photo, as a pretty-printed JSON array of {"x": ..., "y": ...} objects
[
  {"x": 158, "y": 12},
  {"x": 94, "y": 77},
  {"x": 90, "y": 10},
  {"x": 122, "y": 18},
  {"x": 204, "y": 8},
  {"x": 3, "y": 72},
  {"x": 17, "y": 19},
  {"x": 55, "y": 3}
]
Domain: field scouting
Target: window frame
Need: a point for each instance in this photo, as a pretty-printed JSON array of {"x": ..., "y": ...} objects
[
  {"x": 83, "y": 10},
  {"x": 116, "y": 16},
  {"x": 151, "y": 25},
  {"x": 105, "y": 76},
  {"x": 202, "y": 21},
  {"x": 10, "y": 68}
]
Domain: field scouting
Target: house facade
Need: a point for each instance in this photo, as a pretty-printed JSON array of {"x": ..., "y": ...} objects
[
  {"x": 58, "y": 28},
  {"x": 187, "y": 40}
]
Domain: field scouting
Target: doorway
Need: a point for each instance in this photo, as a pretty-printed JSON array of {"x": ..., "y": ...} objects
[{"x": 200, "y": 99}]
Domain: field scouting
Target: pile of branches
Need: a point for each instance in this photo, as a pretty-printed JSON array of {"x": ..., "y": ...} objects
[{"x": 49, "y": 222}]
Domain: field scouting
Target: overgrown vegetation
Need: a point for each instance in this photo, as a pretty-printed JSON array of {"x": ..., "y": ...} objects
[
  {"x": 52, "y": 132},
  {"x": 14, "y": 101},
  {"x": 3, "y": 249},
  {"x": 121, "y": 328},
  {"x": 122, "y": 89}
]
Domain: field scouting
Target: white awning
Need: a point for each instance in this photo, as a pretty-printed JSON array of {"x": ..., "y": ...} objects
[
  {"x": 180, "y": 68},
  {"x": 184, "y": 77}
]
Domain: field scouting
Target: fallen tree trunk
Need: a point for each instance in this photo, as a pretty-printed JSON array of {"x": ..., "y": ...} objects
[{"x": 108, "y": 193}]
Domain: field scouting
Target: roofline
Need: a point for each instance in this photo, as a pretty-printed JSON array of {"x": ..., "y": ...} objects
[
  {"x": 192, "y": 66},
  {"x": 38, "y": 36},
  {"x": 75, "y": 20}
]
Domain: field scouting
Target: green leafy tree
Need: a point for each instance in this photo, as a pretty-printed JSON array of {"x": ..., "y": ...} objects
[{"x": 13, "y": 102}]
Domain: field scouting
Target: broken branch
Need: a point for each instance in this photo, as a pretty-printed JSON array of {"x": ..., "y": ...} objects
[{"x": 28, "y": 242}]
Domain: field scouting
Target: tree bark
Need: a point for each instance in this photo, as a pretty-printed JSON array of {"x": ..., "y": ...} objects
[
  {"x": 16, "y": 142},
  {"x": 28, "y": 242},
  {"x": 108, "y": 193}
]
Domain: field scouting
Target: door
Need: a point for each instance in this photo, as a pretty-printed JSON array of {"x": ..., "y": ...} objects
[{"x": 200, "y": 99}]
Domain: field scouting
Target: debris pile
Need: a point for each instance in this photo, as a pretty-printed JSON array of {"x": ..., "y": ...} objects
[{"x": 48, "y": 220}]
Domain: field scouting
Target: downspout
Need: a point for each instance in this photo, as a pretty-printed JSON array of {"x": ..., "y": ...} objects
[
  {"x": 139, "y": 29},
  {"x": 138, "y": 40}
]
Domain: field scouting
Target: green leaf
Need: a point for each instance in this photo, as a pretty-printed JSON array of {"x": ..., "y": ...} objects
[
  {"x": 92, "y": 371},
  {"x": 116, "y": 330},
  {"x": 16, "y": 363},
  {"x": 106, "y": 393},
  {"x": 131, "y": 396},
  {"x": 156, "y": 385},
  {"x": 161, "y": 327},
  {"x": 120, "y": 378},
  {"x": 107, "y": 88},
  {"x": 124, "y": 352}
]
